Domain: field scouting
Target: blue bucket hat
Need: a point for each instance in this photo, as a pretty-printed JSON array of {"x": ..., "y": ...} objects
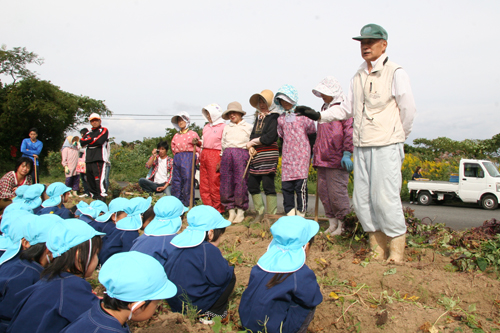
[
  {"x": 167, "y": 221},
  {"x": 37, "y": 231},
  {"x": 94, "y": 209},
  {"x": 55, "y": 192},
  {"x": 135, "y": 277},
  {"x": 116, "y": 205},
  {"x": 17, "y": 206},
  {"x": 200, "y": 219},
  {"x": 20, "y": 192},
  {"x": 16, "y": 234},
  {"x": 32, "y": 195},
  {"x": 135, "y": 208},
  {"x": 69, "y": 233},
  {"x": 286, "y": 253}
]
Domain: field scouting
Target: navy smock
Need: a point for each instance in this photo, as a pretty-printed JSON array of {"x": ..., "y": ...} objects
[
  {"x": 157, "y": 247},
  {"x": 15, "y": 275},
  {"x": 96, "y": 320},
  {"x": 201, "y": 272},
  {"x": 105, "y": 227},
  {"x": 116, "y": 242},
  {"x": 288, "y": 302},
  {"x": 63, "y": 212},
  {"x": 48, "y": 306}
]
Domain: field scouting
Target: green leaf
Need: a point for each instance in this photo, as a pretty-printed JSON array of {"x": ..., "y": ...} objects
[
  {"x": 481, "y": 263},
  {"x": 390, "y": 272}
]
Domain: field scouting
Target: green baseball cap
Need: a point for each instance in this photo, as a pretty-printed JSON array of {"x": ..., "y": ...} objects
[{"x": 372, "y": 31}]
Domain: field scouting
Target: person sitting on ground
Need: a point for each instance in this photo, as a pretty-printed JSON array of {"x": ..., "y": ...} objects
[
  {"x": 159, "y": 178},
  {"x": 108, "y": 220},
  {"x": 13, "y": 179},
  {"x": 282, "y": 292},
  {"x": 20, "y": 192},
  {"x": 58, "y": 195},
  {"x": 32, "y": 197},
  {"x": 88, "y": 213},
  {"x": 69, "y": 160},
  {"x": 135, "y": 283},
  {"x": 32, "y": 147}
]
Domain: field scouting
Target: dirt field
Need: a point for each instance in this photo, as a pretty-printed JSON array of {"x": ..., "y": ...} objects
[{"x": 424, "y": 295}]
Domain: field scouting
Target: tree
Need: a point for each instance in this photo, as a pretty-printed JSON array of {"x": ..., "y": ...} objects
[{"x": 13, "y": 62}]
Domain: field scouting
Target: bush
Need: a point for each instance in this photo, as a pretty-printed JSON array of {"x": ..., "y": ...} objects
[{"x": 53, "y": 163}]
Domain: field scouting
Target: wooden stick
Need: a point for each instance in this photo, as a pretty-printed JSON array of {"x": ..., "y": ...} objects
[
  {"x": 192, "y": 191},
  {"x": 34, "y": 165},
  {"x": 316, "y": 204},
  {"x": 246, "y": 169}
]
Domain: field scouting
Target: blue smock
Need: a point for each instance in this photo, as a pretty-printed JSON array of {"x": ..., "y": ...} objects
[
  {"x": 105, "y": 227},
  {"x": 157, "y": 247},
  {"x": 48, "y": 306},
  {"x": 96, "y": 320},
  {"x": 201, "y": 273},
  {"x": 287, "y": 303},
  {"x": 118, "y": 241},
  {"x": 63, "y": 212}
]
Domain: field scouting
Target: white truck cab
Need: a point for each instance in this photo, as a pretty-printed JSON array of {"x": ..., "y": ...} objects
[{"x": 478, "y": 182}]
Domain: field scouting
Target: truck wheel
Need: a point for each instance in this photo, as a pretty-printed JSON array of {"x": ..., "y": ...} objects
[
  {"x": 489, "y": 201},
  {"x": 424, "y": 198}
]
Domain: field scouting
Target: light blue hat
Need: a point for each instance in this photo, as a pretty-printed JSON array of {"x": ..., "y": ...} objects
[
  {"x": 10, "y": 219},
  {"x": 55, "y": 192},
  {"x": 32, "y": 196},
  {"x": 37, "y": 231},
  {"x": 200, "y": 219},
  {"x": 17, "y": 206},
  {"x": 94, "y": 209},
  {"x": 167, "y": 221},
  {"x": 20, "y": 192},
  {"x": 288, "y": 93},
  {"x": 67, "y": 234},
  {"x": 116, "y": 205},
  {"x": 135, "y": 208},
  {"x": 16, "y": 234},
  {"x": 286, "y": 253},
  {"x": 135, "y": 277}
]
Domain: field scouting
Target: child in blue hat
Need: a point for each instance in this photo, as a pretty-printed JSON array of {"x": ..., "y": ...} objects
[
  {"x": 31, "y": 197},
  {"x": 24, "y": 261},
  {"x": 139, "y": 214},
  {"x": 135, "y": 283},
  {"x": 202, "y": 276},
  {"x": 20, "y": 192},
  {"x": 88, "y": 213},
  {"x": 162, "y": 229},
  {"x": 62, "y": 294},
  {"x": 58, "y": 195},
  {"x": 282, "y": 291}
]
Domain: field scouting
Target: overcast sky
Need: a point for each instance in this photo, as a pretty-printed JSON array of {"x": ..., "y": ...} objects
[{"x": 162, "y": 57}]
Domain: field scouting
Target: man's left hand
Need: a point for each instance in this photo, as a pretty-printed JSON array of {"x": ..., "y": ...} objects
[{"x": 308, "y": 112}]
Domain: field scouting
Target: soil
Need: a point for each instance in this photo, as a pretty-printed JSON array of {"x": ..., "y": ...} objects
[{"x": 374, "y": 298}]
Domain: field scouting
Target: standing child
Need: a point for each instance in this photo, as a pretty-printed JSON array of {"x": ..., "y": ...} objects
[
  {"x": 283, "y": 293},
  {"x": 234, "y": 189},
  {"x": 296, "y": 156},
  {"x": 58, "y": 195},
  {"x": 211, "y": 156},
  {"x": 332, "y": 157},
  {"x": 62, "y": 294},
  {"x": 203, "y": 277},
  {"x": 263, "y": 148},
  {"x": 183, "y": 144},
  {"x": 69, "y": 159},
  {"x": 162, "y": 229}
]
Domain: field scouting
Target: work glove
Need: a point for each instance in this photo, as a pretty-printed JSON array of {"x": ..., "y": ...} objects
[
  {"x": 346, "y": 161},
  {"x": 307, "y": 112},
  {"x": 66, "y": 170}
]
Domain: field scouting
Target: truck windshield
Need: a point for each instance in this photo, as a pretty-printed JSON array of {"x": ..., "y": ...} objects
[{"x": 492, "y": 170}]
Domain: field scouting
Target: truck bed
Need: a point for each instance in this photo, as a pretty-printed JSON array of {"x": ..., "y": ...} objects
[{"x": 433, "y": 186}]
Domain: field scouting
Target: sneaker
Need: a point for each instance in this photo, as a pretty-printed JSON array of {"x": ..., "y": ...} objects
[
  {"x": 411, "y": 202},
  {"x": 84, "y": 195},
  {"x": 206, "y": 321}
]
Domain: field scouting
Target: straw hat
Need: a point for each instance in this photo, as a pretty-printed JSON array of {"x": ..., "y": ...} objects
[
  {"x": 266, "y": 94},
  {"x": 233, "y": 107}
]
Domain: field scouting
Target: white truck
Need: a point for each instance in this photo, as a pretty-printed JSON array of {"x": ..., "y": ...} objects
[{"x": 478, "y": 182}]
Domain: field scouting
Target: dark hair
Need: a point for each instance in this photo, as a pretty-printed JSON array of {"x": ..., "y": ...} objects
[
  {"x": 33, "y": 130},
  {"x": 22, "y": 160},
  {"x": 148, "y": 215},
  {"x": 418, "y": 169},
  {"x": 163, "y": 144},
  {"x": 34, "y": 252},
  {"x": 217, "y": 233},
  {"x": 115, "y": 304},
  {"x": 73, "y": 210},
  {"x": 66, "y": 262},
  {"x": 84, "y": 131}
]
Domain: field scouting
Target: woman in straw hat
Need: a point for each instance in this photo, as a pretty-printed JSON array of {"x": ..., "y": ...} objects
[
  {"x": 263, "y": 147},
  {"x": 233, "y": 186}
]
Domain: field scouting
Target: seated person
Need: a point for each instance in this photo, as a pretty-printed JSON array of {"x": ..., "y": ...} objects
[
  {"x": 58, "y": 195},
  {"x": 13, "y": 179},
  {"x": 159, "y": 178}
]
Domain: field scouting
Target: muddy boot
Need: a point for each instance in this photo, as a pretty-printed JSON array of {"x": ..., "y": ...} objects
[
  {"x": 291, "y": 213},
  {"x": 240, "y": 216},
  {"x": 232, "y": 215},
  {"x": 272, "y": 203},
  {"x": 302, "y": 214},
  {"x": 338, "y": 231},
  {"x": 258, "y": 204},
  {"x": 334, "y": 223},
  {"x": 397, "y": 250},
  {"x": 378, "y": 245}
]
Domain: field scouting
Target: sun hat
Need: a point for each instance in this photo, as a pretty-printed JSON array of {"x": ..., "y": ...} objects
[
  {"x": 215, "y": 112},
  {"x": 134, "y": 277},
  {"x": 184, "y": 115},
  {"x": 135, "y": 208},
  {"x": 372, "y": 31},
  {"x": 94, "y": 116},
  {"x": 286, "y": 253},
  {"x": 17, "y": 206},
  {"x": 233, "y": 107},
  {"x": 9, "y": 220},
  {"x": 67, "y": 234},
  {"x": 200, "y": 220},
  {"x": 330, "y": 86},
  {"x": 31, "y": 197},
  {"x": 288, "y": 93},
  {"x": 20, "y": 192},
  {"x": 16, "y": 234},
  {"x": 116, "y": 205},
  {"x": 37, "y": 230},
  {"x": 94, "y": 209},
  {"x": 55, "y": 192},
  {"x": 266, "y": 94},
  {"x": 167, "y": 221}
]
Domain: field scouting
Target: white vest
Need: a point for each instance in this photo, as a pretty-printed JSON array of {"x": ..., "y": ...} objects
[{"x": 376, "y": 113}]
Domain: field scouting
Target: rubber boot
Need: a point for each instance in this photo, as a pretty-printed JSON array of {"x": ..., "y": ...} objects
[
  {"x": 334, "y": 223},
  {"x": 291, "y": 213},
  {"x": 302, "y": 214},
  {"x": 397, "y": 249},
  {"x": 240, "y": 216},
  {"x": 378, "y": 245},
  {"x": 258, "y": 204},
  {"x": 232, "y": 215},
  {"x": 272, "y": 203}
]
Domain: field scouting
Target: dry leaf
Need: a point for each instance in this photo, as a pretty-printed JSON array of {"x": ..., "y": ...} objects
[{"x": 333, "y": 295}]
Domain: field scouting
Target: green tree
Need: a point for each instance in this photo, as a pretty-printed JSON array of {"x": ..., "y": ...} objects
[{"x": 13, "y": 62}]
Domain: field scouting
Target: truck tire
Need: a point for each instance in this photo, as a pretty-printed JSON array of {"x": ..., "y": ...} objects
[
  {"x": 489, "y": 201},
  {"x": 424, "y": 198}
]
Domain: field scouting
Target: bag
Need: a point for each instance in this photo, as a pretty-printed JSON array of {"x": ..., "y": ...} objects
[{"x": 81, "y": 166}]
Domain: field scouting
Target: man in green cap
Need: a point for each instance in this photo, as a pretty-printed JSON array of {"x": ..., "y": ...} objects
[{"x": 381, "y": 102}]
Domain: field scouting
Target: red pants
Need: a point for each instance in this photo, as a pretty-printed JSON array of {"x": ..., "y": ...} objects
[{"x": 210, "y": 179}]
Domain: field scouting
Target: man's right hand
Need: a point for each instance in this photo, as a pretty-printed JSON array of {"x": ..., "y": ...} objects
[
  {"x": 153, "y": 152},
  {"x": 252, "y": 151},
  {"x": 308, "y": 112}
]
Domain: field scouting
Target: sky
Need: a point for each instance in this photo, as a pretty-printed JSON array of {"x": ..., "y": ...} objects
[{"x": 158, "y": 58}]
